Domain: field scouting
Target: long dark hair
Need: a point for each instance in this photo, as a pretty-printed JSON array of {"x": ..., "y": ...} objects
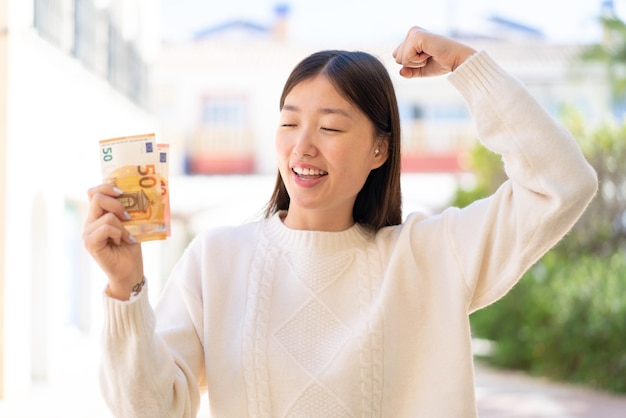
[{"x": 364, "y": 81}]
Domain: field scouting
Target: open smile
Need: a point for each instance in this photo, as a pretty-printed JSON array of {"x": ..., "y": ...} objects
[{"x": 308, "y": 173}]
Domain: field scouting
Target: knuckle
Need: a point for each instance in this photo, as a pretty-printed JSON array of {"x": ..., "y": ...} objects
[
  {"x": 92, "y": 191},
  {"x": 110, "y": 218},
  {"x": 415, "y": 30},
  {"x": 97, "y": 198}
]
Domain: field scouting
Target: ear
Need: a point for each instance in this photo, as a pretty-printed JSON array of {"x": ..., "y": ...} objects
[{"x": 381, "y": 151}]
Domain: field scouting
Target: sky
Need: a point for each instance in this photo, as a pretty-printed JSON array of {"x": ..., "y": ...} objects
[{"x": 370, "y": 20}]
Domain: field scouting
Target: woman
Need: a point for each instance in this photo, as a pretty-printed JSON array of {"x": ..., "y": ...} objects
[{"x": 332, "y": 306}]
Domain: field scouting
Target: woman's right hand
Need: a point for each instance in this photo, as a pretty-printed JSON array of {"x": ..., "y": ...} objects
[{"x": 115, "y": 250}]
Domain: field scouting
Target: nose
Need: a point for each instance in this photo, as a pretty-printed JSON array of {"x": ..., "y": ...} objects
[{"x": 305, "y": 143}]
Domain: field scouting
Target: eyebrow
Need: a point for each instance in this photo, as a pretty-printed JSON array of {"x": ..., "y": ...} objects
[{"x": 326, "y": 110}]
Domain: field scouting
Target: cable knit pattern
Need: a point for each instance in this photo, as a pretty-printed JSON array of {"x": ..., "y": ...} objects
[
  {"x": 256, "y": 330},
  {"x": 372, "y": 342}
]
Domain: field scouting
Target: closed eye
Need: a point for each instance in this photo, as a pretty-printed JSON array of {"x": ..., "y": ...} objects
[{"x": 330, "y": 129}]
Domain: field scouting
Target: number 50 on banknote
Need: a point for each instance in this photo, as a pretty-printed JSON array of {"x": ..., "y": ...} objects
[{"x": 139, "y": 167}]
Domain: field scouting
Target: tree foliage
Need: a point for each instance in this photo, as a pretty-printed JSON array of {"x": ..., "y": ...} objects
[{"x": 612, "y": 52}]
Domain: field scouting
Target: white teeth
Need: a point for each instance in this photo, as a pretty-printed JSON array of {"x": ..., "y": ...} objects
[{"x": 309, "y": 171}]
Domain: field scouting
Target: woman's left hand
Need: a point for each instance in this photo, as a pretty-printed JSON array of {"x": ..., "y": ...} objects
[{"x": 425, "y": 54}]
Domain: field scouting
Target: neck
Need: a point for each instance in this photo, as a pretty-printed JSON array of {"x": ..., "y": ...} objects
[{"x": 316, "y": 221}]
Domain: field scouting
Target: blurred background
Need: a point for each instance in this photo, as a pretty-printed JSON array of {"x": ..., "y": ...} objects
[{"x": 206, "y": 76}]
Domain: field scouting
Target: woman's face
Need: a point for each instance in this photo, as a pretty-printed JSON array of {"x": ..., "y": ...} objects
[{"x": 326, "y": 148}]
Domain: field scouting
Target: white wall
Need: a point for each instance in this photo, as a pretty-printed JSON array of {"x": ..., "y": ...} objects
[{"x": 56, "y": 113}]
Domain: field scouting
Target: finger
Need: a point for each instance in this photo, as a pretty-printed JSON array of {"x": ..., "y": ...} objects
[
  {"x": 107, "y": 189},
  {"x": 114, "y": 221},
  {"x": 410, "y": 56},
  {"x": 96, "y": 209},
  {"x": 397, "y": 52},
  {"x": 408, "y": 72},
  {"x": 417, "y": 61},
  {"x": 108, "y": 219},
  {"x": 406, "y": 53},
  {"x": 102, "y": 203},
  {"x": 405, "y": 45},
  {"x": 106, "y": 231},
  {"x": 100, "y": 237}
]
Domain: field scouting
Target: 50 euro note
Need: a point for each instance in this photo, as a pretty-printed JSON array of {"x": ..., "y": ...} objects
[{"x": 139, "y": 167}]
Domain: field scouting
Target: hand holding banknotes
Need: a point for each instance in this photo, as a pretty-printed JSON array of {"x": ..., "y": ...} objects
[
  {"x": 115, "y": 250},
  {"x": 132, "y": 206}
]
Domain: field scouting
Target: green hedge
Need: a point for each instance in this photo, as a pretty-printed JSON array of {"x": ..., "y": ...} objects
[{"x": 566, "y": 319}]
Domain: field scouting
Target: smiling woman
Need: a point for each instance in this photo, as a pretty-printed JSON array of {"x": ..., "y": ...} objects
[
  {"x": 339, "y": 115},
  {"x": 331, "y": 306}
]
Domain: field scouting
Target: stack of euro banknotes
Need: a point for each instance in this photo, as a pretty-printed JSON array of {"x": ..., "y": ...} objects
[{"x": 138, "y": 166}]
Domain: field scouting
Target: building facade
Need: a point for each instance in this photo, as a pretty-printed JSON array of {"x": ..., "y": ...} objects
[
  {"x": 72, "y": 72},
  {"x": 217, "y": 94}
]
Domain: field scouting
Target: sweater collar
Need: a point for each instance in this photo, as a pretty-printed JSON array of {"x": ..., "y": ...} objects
[{"x": 294, "y": 239}]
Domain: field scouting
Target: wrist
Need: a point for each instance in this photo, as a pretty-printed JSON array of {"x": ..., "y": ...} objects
[
  {"x": 125, "y": 290},
  {"x": 464, "y": 56},
  {"x": 138, "y": 286}
]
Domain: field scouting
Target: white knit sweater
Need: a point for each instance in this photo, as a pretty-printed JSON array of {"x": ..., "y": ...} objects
[{"x": 275, "y": 322}]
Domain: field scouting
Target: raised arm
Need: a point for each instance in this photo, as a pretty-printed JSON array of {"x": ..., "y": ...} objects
[
  {"x": 495, "y": 240},
  {"x": 550, "y": 182}
]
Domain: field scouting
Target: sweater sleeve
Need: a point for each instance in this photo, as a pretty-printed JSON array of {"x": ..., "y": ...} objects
[
  {"x": 495, "y": 240},
  {"x": 149, "y": 368}
]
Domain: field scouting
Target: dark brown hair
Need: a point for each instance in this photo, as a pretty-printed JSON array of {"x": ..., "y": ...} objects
[{"x": 363, "y": 80}]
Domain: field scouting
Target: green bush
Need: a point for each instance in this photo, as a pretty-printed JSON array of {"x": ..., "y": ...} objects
[
  {"x": 488, "y": 171},
  {"x": 566, "y": 319}
]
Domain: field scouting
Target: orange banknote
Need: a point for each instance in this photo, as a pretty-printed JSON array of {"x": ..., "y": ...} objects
[{"x": 139, "y": 167}]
